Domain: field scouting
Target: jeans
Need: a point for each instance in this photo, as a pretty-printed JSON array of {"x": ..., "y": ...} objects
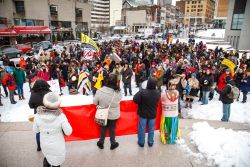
[
  {"x": 205, "y": 95},
  {"x": 11, "y": 96},
  {"x": 142, "y": 128},
  {"x": 20, "y": 89},
  {"x": 111, "y": 125},
  {"x": 244, "y": 96},
  {"x": 125, "y": 86},
  {"x": 38, "y": 139},
  {"x": 226, "y": 112}
]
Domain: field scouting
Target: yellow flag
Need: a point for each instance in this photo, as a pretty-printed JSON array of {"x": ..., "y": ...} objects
[
  {"x": 87, "y": 40},
  {"x": 229, "y": 64}
]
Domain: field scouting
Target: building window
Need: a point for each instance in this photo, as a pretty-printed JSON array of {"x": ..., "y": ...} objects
[
  {"x": 53, "y": 10},
  {"x": 82, "y": 1},
  {"x": 78, "y": 12},
  {"x": 28, "y": 22},
  {"x": 237, "y": 21},
  {"x": 19, "y": 6},
  {"x": 187, "y": 10}
]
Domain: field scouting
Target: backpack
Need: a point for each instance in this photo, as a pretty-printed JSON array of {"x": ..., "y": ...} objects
[{"x": 234, "y": 93}]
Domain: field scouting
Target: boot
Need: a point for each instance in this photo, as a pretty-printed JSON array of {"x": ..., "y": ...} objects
[
  {"x": 186, "y": 106},
  {"x": 1, "y": 104},
  {"x": 114, "y": 145},
  {"x": 100, "y": 144},
  {"x": 20, "y": 98},
  {"x": 38, "y": 148},
  {"x": 23, "y": 97}
]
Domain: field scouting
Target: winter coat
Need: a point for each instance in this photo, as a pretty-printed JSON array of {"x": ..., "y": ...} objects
[
  {"x": 103, "y": 98},
  {"x": 117, "y": 72},
  {"x": 207, "y": 82},
  {"x": 127, "y": 75},
  {"x": 222, "y": 82},
  {"x": 52, "y": 125},
  {"x": 238, "y": 78},
  {"x": 159, "y": 77},
  {"x": 19, "y": 76},
  {"x": 9, "y": 80},
  {"x": 3, "y": 73},
  {"x": 22, "y": 64},
  {"x": 43, "y": 75},
  {"x": 245, "y": 86},
  {"x": 40, "y": 88},
  {"x": 194, "y": 85},
  {"x": 147, "y": 100},
  {"x": 224, "y": 94}
]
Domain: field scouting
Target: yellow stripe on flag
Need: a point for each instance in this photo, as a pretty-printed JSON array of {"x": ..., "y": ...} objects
[
  {"x": 87, "y": 40},
  {"x": 229, "y": 64}
]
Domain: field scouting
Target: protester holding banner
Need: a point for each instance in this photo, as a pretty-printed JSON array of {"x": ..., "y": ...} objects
[{"x": 147, "y": 100}]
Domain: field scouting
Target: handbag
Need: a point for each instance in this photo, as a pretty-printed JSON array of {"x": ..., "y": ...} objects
[{"x": 101, "y": 115}]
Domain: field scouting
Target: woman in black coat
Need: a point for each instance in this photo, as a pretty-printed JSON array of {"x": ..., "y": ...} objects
[{"x": 39, "y": 89}]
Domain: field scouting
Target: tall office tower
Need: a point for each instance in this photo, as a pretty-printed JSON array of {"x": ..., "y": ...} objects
[{"x": 100, "y": 13}]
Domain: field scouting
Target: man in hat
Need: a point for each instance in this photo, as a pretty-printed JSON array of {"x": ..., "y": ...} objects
[{"x": 127, "y": 74}]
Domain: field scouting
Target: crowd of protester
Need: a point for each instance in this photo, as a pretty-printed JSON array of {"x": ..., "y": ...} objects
[{"x": 194, "y": 68}]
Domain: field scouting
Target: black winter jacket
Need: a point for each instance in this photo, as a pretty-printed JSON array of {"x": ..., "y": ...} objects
[
  {"x": 224, "y": 94},
  {"x": 40, "y": 88},
  {"x": 127, "y": 73},
  {"x": 147, "y": 100},
  {"x": 207, "y": 82}
]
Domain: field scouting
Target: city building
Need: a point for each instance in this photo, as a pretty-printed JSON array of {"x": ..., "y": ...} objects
[
  {"x": 64, "y": 17},
  {"x": 115, "y": 12},
  {"x": 140, "y": 15},
  {"x": 164, "y": 2},
  {"x": 220, "y": 14},
  {"x": 197, "y": 12},
  {"x": 100, "y": 15},
  {"x": 238, "y": 24}
]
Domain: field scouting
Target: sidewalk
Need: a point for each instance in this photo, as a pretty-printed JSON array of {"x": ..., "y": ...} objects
[{"x": 18, "y": 149}]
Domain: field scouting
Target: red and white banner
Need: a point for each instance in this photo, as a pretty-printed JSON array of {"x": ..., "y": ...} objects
[{"x": 81, "y": 119}]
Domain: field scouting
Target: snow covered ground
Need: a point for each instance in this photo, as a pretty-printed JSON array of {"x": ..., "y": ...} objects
[
  {"x": 211, "y": 33},
  {"x": 221, "y": 147},
  {"x": 212, "y": 111}
]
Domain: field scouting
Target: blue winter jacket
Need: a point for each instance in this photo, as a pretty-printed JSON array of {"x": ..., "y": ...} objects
[{"x": 245, "y": 86}]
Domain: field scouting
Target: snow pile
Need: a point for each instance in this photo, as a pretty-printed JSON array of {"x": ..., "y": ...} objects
[
  {"x": 211, "y": 33},
  {"x": 182, "y": 144},
  {"x": 222, "y": 147},
  {"x": 213, "y": 111}
]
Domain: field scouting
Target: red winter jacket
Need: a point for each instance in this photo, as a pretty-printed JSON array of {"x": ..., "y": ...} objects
[
  {"x": 9, "y": 80},
  {"x": 43, "y": 75},
  {"x": 222, "y": 82}
]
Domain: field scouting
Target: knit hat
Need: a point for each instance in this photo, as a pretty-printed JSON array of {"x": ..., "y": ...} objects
[
  {"x": 228, "y": 70},
  {"x": 194, "y": 75},
  {"x": 153, "y": 63},
  {"x": 51, "y": 100}
]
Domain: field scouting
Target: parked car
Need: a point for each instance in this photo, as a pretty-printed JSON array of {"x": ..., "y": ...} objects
[
  {"x": 10, "y": 52},
  {"x": 139, "y": 36},
  {"x": 45, "y": 45},
  {"x": 126, "y": 37},
  {"x": 23, "y": 47},
  {"x": 114, "y": 37}
]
